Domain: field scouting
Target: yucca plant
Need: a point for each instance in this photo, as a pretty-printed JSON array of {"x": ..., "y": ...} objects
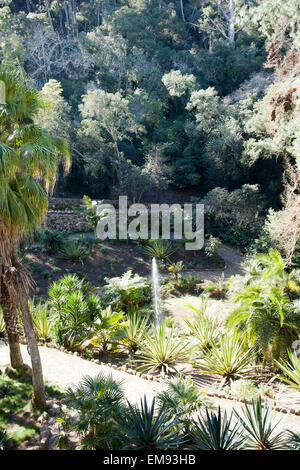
[
  {"x": 98, "y": 400},
  {"x": 205, "y": 330},
  {"x": 229, "y": 358},
  {"x": 256, "y": 420},
  {"x": 160, "y": 249},
  {"x": 162, "y": 349},
  {"x": 182, "y": 399},
  {"x": 42, "y": 320},
  {"x": 291, "y": 370},
  {"x": 134, "y": 332},
  {"x": 214, "y": 431},
  {"x": 141, "y": 428},
  {"x": 74, "y": 251}
]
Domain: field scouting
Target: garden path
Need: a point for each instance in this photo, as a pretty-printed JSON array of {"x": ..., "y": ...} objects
[{"x": 66, "y": 370}]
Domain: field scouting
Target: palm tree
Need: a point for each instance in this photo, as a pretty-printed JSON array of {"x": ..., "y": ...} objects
[{"x": 29, "y": 159}]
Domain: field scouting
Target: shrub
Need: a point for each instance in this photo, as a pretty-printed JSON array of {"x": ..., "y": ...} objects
[
  {"x": 75, "y": 308},
  {"x": 243, "y": 389},
  {"x": 140, "y": 428},
  {"x": 126, "y": 292},
  {"x": 161, "y": 349},
  {"x": 159, "y": 249},
  {"x": 212, "y": 246},
  {"x": 52, "y": 240},
  {"x": 217, "y": 289}
]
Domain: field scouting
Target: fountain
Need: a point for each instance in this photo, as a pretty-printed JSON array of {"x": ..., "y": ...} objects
[{"x": 156, "y": 290}]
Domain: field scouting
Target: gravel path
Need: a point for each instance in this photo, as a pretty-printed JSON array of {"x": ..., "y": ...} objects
[{"x": 66, "y": 370}]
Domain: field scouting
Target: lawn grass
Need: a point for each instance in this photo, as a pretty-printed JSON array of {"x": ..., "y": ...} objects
[{"x": 16, "y": 416}]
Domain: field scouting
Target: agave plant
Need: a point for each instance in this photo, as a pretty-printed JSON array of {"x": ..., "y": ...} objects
[
  {"x": 257, "y": 422},
  {"x": 98, "y": 400},
  {"x": 161, "y": 349},
  {"x": 214, "y": 431},
  {"x": 42, "y": 320},
  {"x": 74, "y": 251},
  {"x": 160, "y": 249},
  {"x": 140, "y": 428},
  {"x": 228, "y": 359},
  {"x": 291, "y": 370},
  {"x": 134, "y": 331},
  {"x": 182, "y": 399}
]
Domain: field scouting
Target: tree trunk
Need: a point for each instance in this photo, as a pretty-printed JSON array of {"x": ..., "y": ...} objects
[
  {"x": 38, "y": 400},
  {"x": 11, "y": 325},
  {"x": 231, "y": 30}
]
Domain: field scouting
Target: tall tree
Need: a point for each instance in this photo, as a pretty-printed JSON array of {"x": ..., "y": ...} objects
[{"x": 29, "y": 158}]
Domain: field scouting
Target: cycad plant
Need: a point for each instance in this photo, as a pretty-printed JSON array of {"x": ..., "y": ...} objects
[
  {"x": 229, "y": 358},
  {"x": 160, "y": 249},
  {"x": 42, "y": 319},
  {"x": 98, "y": 400},
  {"x": 52, "y": 240},
  {"x": 216, "y": 431},
  {"x": 108, "y": 330},
  {"x": 29, "y": 158},
  {"x": 270, "y": 321},
  {"x": 291, "y": 370},
  {"x": 161, "y": 349},
  {"x": 145, "y": 428},
  {"x": 257, "y": 422}
]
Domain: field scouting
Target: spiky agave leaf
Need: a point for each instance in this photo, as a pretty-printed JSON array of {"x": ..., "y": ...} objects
[
  {"x": 214, "y": 431},
  {"x": 257, "y": 422},
  {"x": 291, "y": 370},
  {"x": 143, "y": 429}
]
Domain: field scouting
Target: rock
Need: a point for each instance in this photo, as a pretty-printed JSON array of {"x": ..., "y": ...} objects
[
  {"x": 114, "y": 366},
  {"x": 54, "y": 410},
  {"x": 53, "y": 442},
  {"x": 149, "y": 377},
  {"x": 42, "y": 418},
  {"x": 51, "y": 420},
  {"x": 144, "y": 376},
  {"x": 124, "y": 368}
]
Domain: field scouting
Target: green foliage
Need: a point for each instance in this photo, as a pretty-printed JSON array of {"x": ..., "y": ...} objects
[
  {"x": 183, "y": 399},
  {"x": 228, "y": 358},
  {"x": 42, "y": 319},
  {"x": 140, "y": 428},
  {"x": 216, "y": 289},
  {"x": 134, "y": 331},
  {"x": 160, "y": 249},
  {"x": 75, "y": 309},
  {"x": 97, "y": 400},
  {"x": 162, "y": 349},
  {"x": 52, "y": 240},
  {"x": 216, "y": 431},
  {"x": 108, "y": 330},
  {"x": 291, "y": 370},
  {"x": 126, "y": 292},
  {"x": 257, "y": 421},
  {"x": 74, "y": 251},
  {"x": 243, "y": 389},
  {"x": 212, "y": 246}
]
